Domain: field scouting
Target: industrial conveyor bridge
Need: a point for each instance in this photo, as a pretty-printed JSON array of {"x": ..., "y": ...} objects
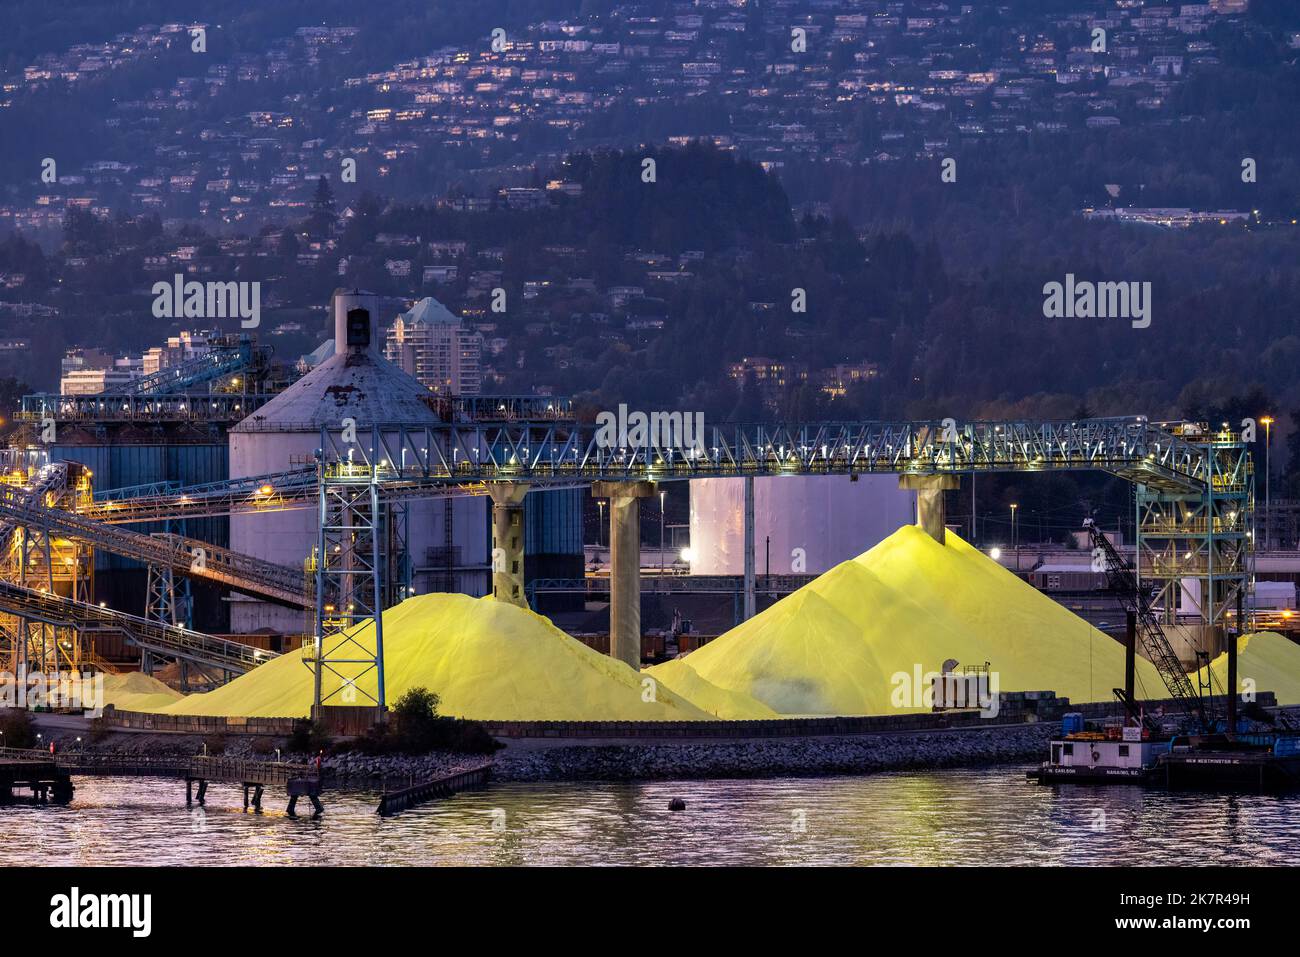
[
  {"x": 34, "y": 607},
  {"x": 451, "y": 459},
  {"x": 1195, "y": 494},
  {"x": 183, "y": 556}
]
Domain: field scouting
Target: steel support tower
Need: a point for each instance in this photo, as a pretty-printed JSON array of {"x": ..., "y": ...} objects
[
  {"x": 350, "y": 587},
  {"x": 1196, "y": 547}
]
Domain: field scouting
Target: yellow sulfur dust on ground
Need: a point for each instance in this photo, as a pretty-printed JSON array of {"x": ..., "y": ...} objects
[
  {"x": 1270, "y": 660},
  {"x": 486, "y": 659},
  {"x": 852, "y": 641},
  {"x": 678, "y": 676},
  {"x": 135, "y": 691}
]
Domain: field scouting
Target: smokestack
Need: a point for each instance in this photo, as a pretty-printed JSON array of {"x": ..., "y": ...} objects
[{"x": 356, "y": 322}]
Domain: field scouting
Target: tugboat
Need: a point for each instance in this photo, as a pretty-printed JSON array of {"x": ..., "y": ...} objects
[{"x": 1110, "y": 754}]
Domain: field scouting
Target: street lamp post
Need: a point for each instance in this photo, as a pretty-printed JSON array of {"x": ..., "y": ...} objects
[
  {"x": 662, "y": 496},
  {"x": 600, "y": 528},
  {"x": 1268, "y": 501},
  {"x": 1015, "y": 535}
]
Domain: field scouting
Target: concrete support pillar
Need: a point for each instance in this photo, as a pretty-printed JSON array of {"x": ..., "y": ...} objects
[
  {"x": 624, "y": 566},
  {"x": 929, "y": 490},
  {"x": 508, "y": 541},
  {"x": 751, "y": 600}
]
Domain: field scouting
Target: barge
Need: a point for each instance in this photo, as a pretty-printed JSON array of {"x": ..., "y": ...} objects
[
  {"x": 1251, "y": 761},
  {"x": 1236, "y": 762}
]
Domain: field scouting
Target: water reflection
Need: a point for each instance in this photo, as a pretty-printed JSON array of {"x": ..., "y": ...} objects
[{"x": 948, "y": 817}]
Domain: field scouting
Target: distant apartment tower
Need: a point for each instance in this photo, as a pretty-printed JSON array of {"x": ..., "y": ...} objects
[
  {"x": 179, "y": 349},
  {"x": 438, "y": 348},
  {"x": 92, "y": 372}
]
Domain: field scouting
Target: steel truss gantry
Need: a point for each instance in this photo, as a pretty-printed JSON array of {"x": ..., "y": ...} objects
[
  {"x": 1194, "y": 488},
  {"x": 351, "y": 588},
  {"x": 170, "y": 554},
  {"x": 1168, "y": 463},
  {"x": 1197, "y": 546},
  {"x": 162, "y": 640}
]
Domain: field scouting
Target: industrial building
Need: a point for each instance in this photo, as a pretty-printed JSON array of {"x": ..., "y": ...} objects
[
  {"x": 358, "y": 470},
  {"x": 802, "y": 525},
  {"x": 443, "y": 542}
]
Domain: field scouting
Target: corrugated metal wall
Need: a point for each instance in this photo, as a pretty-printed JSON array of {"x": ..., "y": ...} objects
[
  {"x": 554, "y": 522},
  {"x": 119, "y": 466},
  {"x": 553, "y": 539}
]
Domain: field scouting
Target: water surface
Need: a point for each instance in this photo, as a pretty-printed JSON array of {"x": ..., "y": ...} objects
[{"x": 961, "y": 817}]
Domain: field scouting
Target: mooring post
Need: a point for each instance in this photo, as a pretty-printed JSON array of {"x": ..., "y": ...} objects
[
  {"x": 189, "y": 791},
  {"x": 203, "y": 790},
  {"x": 257, "y": 797}
]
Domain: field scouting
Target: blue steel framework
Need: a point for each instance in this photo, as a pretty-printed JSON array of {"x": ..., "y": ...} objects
[
  {"x": 349, "y": 561},
  {"x": 1195, "y": 490}
]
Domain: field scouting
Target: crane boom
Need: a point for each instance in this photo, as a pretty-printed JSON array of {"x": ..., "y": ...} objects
[{"x": 1124, "y": 583}]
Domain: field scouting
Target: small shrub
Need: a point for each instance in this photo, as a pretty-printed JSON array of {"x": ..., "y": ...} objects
[
  {"x": 262, "y": 745},
  {"x": 415, "y": 727},
  {"x": 215, "y": 743},
  {"x": 308, "y": 738},
  {"x": 18, "y": 727}
]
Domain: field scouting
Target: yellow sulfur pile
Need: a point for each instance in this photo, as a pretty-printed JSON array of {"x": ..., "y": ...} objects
[
  {"x": 135, "y": 691},
  {"x": 1268, "y": 659},
  {"x": 486, "y": 659},
  {"x": 854, "y": 640}
]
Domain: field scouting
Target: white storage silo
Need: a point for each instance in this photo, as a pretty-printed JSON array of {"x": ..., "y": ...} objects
[
  {"x": 823, "y": 520},
  {"x": 357, "y": 383}
]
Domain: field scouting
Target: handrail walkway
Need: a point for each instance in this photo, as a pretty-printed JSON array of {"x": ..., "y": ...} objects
[
  {"x": 185, "y": 556},
  {"x": 153, "y": 636}
]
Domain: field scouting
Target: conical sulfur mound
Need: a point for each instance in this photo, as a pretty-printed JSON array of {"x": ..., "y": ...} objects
[
  {"x": 855, "y": 640},
  {"x": 486, "y": 659},
  {"x": 1266, "y": 661}
]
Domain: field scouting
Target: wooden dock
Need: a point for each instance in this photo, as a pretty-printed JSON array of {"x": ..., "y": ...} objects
[
  {"x": 448, "y": 784},
  {"x": 50, "y": 775},
  {"x": 48, "y": 783}
]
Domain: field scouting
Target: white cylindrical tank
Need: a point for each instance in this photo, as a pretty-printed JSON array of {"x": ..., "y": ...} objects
[
  {"x": 357, "y": 383},
  {"x": 813, "y": 521}
]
